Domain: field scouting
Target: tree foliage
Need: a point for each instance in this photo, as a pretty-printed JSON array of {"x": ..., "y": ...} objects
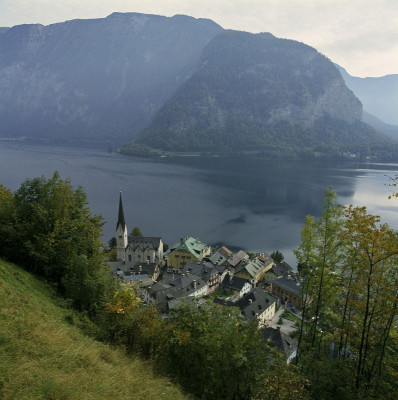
[
  {"x": 277, "y": 256},
  {"x": 136, "y": 232},
  {"x": 51, "y": 231},
  {"x": 349, "y": 275}
]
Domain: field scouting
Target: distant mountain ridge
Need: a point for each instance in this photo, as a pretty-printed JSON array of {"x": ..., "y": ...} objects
[
  {"x": 252, "y": 91},
  {"x": 95, "y": 79},
  {"x": 379, "y": 96},
  {"x": 175, "y": 82}
]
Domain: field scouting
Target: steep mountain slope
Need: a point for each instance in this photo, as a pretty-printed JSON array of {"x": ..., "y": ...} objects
[
  {"x": 379, "y": 96},
  {"x": 44, "y": 354},
  {"x": 252, "y": 91},
  {"x": 95, "y": 79},
  {"x": 381, "y": 126}
]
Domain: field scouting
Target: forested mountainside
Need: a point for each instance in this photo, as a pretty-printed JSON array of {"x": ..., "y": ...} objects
[
  {"x": 93, "y": 80},
  {"x": 255, "y": 90}
]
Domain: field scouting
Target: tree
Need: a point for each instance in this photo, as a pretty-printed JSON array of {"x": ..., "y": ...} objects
[
  {"x": 112, "y": 243},
  {"x": 318, "y": 256},
  {"x": 222, "y": 354},
  {"x": 348, "y": 281},
  {"x": 277, "y": 256},
  {"x": 136, "y": 232},
  {"x": 54, "y": 234}
]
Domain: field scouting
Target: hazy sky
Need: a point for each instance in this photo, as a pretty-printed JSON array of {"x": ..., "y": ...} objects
[{"x": 360, "y": 35}]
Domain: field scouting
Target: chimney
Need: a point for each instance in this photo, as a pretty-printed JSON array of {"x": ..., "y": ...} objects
[
  {"x": 250, "y": 301},
  {"x": 194, "y": 284},
  {"x": 187, "y": 272},
  {"x": 140, "y": 268}
]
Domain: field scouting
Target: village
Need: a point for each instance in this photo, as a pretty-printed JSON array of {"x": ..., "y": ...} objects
[{"x": 266, "y": 291}]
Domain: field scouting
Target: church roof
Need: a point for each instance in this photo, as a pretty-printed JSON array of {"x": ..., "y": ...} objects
[
  {"x": 144, "y": 242},
  {"x": 120, "y": 220}
]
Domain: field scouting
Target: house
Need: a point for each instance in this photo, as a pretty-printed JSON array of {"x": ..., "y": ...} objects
[
  {"x": 278, "y": 270},
  {"x": 207, "y": 271},
  {"x": 191, "y": 285},
  {"x": 288, "y": 289},
  {"x": 254, "y": 270},
  {"x": 236, "y": 285},
  {"x": 220, "y": 256},
  {"x": 185, "y": 252},
  {"x": 164, "y": 295},
  {"x": 284, "y": 343},
  {"x": 258, "y": 306},
  {"x": 152, "y": 270},
  {"x": 235, "y": 260},
  {"x": 136, "y": 248}
]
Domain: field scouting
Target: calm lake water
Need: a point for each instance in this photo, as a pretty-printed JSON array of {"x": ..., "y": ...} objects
[{"x": 254, "y": 204}]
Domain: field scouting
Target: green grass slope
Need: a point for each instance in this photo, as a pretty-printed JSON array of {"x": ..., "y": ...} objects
[{"x": 45, "y": 355}]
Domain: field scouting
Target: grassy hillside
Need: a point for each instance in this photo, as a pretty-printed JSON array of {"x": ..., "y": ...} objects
[{"x": 45, "y": 355}]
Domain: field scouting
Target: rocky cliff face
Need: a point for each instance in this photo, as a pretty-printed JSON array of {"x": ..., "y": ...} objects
[
  {"x": 95, "y": 79},
  {"x": 257, "y": 81}
]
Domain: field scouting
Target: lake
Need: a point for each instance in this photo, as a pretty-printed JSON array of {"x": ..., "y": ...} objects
[{"x": 249, "y": 203}]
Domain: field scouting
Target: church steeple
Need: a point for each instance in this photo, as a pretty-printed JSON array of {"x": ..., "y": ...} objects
[
  {"x": 121, "y": 233},
  {"x": 120, "y": 220}
]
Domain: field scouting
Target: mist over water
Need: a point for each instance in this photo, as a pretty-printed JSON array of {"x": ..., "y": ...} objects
[{"x": 254, "y": 204}]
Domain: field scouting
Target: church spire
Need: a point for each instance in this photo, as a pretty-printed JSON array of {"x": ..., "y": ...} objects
[{"x": 120, "y": 220}]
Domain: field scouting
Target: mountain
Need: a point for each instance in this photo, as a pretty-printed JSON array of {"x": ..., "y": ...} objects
[
  {"x": 95, "y": 80},
  {"x": 381, "y": 126},
  {"x": 175, "y": 83},
  {"x": 379, "y": 96},
  {"x": 252, "y": 91}
]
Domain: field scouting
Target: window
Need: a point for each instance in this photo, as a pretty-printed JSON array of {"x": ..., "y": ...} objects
[{"x": 129, "y": 257}]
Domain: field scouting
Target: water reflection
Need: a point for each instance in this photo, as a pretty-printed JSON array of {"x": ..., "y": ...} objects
[{"x": 255, "y": 204}]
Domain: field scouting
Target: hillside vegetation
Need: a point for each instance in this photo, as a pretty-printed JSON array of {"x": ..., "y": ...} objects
[{"x": 45, "y": 355}]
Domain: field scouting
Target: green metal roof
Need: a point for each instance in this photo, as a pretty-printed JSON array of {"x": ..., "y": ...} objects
[{"x": 192, "y": 245}]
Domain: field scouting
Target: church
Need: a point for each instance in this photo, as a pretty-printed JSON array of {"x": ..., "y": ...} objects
[{"x": 136, "y": 249}]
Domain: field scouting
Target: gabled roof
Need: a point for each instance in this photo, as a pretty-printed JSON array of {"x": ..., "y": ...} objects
[
  {"x": 237, "y": 258},
  {"x": 220, "y": 256},
  {"x": 133, "y": 267},
  {"x": 164, "y": 293},
  {"x": 185, "y": 281},
  {"x": 234, "y": 282},
  {"x": 144, "y": 242},
  {"x": 288, "y": 283},
  {"x": 204, "y": 269},
  {"x": 255, "y": 303},
  {"x": 191, "y": 245},
  {"x": 280, "y": 340},
  {"x": 254, "y": 267},
  {"x": 281, "y": 269}
]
